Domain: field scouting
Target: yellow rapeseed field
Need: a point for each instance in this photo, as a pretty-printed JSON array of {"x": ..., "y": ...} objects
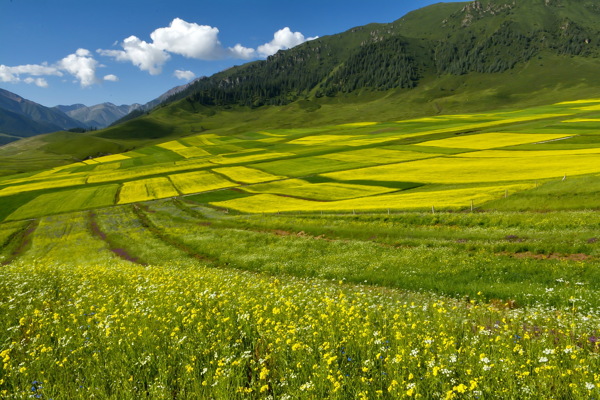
[
  {"x": 442, "y": 199},
  {"x": 584, "y": 101},
  {"x": 488, "y": 124},
  {"x": 323, "y": 191},
  {"x": 183, "y": 150},
  {"x": 455, "y": 169},
  {"x": 45, "y": 184},
  {"x": 377, "y": 156},
  {"x": 357, "y": 124},
  {"x": 576, "y": 120},
  {"x": 249, "y": 158},
  {"x": 529, "y": 153},
  {"x": 146, "y": 189},
  {"x": 491, "y": 140},
  {"x": 323, "y": 140},
  {"x": 275, "y": 187},
  {"x": 246, "y": 175},
  {"x": 142, "y": 171},
  {"x": 111, "y": 158},
  {"x": 199, "y": 181}
]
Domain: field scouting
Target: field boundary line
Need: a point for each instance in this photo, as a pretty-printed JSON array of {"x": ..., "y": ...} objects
[
  {"x": 138, "y": 210},
  {"x": 23, "y": 238},
  {"x": 118, "y": 251}
]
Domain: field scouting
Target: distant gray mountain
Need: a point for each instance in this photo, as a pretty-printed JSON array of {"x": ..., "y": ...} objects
[
  {"x": 98, "y": 116},
  {"x": 165, "y": 96},
  {"x": 23, "y": 118},
  {"x": 73, "y": 107}
]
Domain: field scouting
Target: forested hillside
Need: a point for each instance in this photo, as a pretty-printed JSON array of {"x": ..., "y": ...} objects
[{"x": 456, "y": 39}]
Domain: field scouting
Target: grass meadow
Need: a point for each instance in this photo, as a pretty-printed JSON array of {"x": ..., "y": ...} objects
[{"x": 450, "y": 257}]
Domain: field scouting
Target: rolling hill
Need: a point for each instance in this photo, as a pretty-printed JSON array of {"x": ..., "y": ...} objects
[
  {"x": 371, "y": 215},
  {"x": 442, "y": 59}
]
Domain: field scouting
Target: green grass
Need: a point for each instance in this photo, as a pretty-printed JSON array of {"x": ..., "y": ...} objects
[
  {"x": 218, "y": 195},
  {"x": 65, "y": 201},
  {"x": 574, "y": 193},
  {"x": 376, "y": 155},
  {"x": 226, "y": 306},
  {"x": 528, "y": 86},
  {"x": 298, "y": 167}
]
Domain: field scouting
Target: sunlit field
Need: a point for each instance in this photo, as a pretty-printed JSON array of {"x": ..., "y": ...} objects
[
  {"x": 450, "y": 257},
  {"x": 173, "y": 300},
  {"x": 404, "y": 165}
]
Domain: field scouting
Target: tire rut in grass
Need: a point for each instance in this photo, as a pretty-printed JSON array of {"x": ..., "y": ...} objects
[
  {"x": 276, "y": 232},
  {"x": 141, "y": 210},
  {"x": 20, "y": 241},
  {"x": 118, "y": 251},
  {"x": 192, "y": 213}
]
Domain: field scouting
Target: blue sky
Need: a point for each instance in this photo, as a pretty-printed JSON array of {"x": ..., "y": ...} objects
[{"x": 87, "y": 51}]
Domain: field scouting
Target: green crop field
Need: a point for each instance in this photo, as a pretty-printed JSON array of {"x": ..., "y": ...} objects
[
  {"x": 446, "y": 162},
  {"x": 450, "y": 257}
]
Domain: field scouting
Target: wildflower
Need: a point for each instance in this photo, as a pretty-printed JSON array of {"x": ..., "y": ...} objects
[
  {"x": 460, "y": 388},
  {"x": 264, "y": 372}
]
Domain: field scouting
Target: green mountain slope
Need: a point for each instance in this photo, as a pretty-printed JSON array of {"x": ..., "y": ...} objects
[
  {"x": 443, "y": 59},
  {"x": 454, "y": 39}
]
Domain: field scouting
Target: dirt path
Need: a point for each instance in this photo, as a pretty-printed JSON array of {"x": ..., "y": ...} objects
[
  {"x": 118, "y": 251},
  {"x": 23, "y": 238}
]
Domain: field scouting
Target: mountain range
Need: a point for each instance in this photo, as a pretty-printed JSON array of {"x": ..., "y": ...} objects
[
  {"x": 21, "y": 118},
  {"x": 99, "y": 115},
  {"x": 442, "y": 59}
]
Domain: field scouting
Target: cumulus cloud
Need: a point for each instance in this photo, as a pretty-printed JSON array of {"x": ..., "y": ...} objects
[
  {"x": 196, "y": 41},
  {"x": 111, "y": 78},
  {"x": 282, "y": 39},
  {"x": 41, "y": 82},
  {"x": 146, "y": 56},
  {"x": 185, "y": 75},
  {"x": 189, "y": 40},
  {"x": 80, "y": 64},
  {"x": 13, "y": 74},
  {"x": 239, "y": 51}
]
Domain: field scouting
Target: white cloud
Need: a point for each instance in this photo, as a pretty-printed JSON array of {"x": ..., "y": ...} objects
[
  {"x": 12, "y": 74},
  {"x": 239, "y": 51},
  {"x": 282, "y": 39},
  {"x": 146, "y": 56},
  {"x": 111, "y": 78},
  {"x": 189, "y": 40},
  {"x": 185, "y": 75},
  {"x": 41, "y": 82},
  {"x": 82, "y": 66}
]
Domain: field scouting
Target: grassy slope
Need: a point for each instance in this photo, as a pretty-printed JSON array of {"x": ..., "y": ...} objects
[
  {"x": 541, "y": 81},
  {"x": 361, "y": 167}
]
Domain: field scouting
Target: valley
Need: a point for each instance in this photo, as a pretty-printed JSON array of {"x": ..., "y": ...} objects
[
  {"x": 442, "y": 257},
  {"x": 404, "y": 210}
]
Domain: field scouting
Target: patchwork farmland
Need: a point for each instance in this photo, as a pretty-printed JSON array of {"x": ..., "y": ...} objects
[
  {"x": 366, "y": 260},
  {"x": 447, "y": 162}
]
